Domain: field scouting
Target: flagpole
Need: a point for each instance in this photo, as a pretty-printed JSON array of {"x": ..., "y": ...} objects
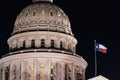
[{"x": 95, "y": 58}]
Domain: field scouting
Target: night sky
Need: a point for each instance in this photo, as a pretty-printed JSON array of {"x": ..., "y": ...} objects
[{"x": 90, "y": 20}]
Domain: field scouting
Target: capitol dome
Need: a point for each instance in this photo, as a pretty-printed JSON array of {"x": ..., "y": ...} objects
[
  {"x": 42, "y": 16},
  {"x": 42, "y": 46}
]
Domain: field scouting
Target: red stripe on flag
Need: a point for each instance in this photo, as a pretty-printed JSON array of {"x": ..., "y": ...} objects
[{"x": 103, "y": 50}]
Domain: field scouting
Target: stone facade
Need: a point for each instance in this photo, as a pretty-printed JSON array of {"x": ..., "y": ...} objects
[
  {"x": 42, "y": 46},
  {"x": 35, "y": 66}
]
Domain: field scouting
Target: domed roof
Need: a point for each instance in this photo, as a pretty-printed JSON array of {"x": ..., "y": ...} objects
[{"x": 42, "y": 16}]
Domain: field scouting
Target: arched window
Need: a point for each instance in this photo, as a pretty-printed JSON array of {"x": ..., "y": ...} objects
[
  {"x": 34, "y": 13},
  {"x": 52, "y": 43},
  {"x": 51, "y": 13},
  {"x": 33, "y": 43},
  {"x": 61, "y": 45},
  {"x": 59, "y": 15},
  {"x": 42, "y": 43},
  {"x": 24, "y": 45},
  {"x": 26, "y": 14}
]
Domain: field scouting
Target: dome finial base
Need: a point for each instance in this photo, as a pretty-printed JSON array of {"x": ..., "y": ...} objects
[{"x": 42, "y": 0}]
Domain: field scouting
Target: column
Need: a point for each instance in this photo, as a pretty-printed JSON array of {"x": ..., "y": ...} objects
[
  {"x": 73, "y": 71},
  {"x": 49, "y": 69}
]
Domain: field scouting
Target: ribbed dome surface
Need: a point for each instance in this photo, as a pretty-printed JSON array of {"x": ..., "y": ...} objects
[{"x": 42, "y": 16}]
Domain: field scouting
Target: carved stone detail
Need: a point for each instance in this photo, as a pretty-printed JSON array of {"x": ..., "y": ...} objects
[{"x": 32, "y": 18}]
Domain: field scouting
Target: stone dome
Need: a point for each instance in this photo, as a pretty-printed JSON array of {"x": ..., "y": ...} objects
[{"x": 42, "y": 16}]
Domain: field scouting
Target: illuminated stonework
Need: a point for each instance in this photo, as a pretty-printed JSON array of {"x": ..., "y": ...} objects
[
  {"x": 28, "y": 66},
  {"x": 42, "y": 16},
  {"x": 100, "y": 77},
  {"x": 42, "y": 46}
]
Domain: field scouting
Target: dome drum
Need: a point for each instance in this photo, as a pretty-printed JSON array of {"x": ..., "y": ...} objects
[{"x": 42, "y": 40}]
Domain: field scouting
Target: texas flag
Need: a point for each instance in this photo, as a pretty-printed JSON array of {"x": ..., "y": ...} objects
[{"x": 101, "y": 48}]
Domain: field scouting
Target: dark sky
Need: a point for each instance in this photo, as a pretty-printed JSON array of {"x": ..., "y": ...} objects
[{"x": 90, "y": 20}]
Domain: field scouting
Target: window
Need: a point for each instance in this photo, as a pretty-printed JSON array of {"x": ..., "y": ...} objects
[
  {"x": 51, "y": 13},
  {"x": 42, "y": 66},
  {"x": 59, "y": 15},
  {"x": 26, "y": 14},
  {"x": 61, "y": 45},
  {"x": 42, "y": 76},
  {"x": 52, "y": 43},
  {"x": 33, "y": 43},
  {"x": 34, "y": 13},
  {"x": 42, "y": 43},
  {"x": 52, "y": 67},
  {"x": 24, "y": 45},
  {"x": 31, "y": 66}
]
